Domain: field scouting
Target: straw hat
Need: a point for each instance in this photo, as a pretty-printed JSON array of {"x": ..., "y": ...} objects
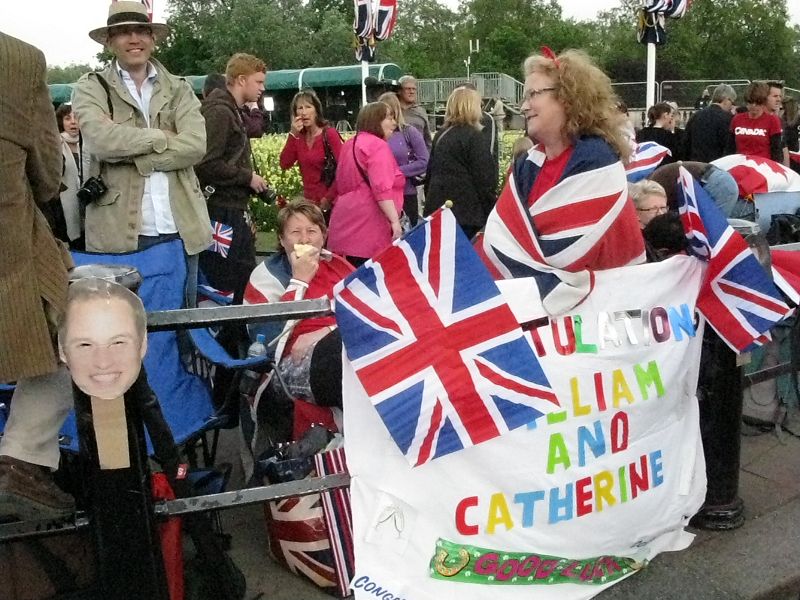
[{"x": 128, "y": 12}]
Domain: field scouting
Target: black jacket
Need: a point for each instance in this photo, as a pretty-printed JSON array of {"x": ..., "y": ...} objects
[
  {"x": 666, "y": 138},
  {"x": 489, "y": 133},
  {"x": 227, "y": 165},
  {"x": 707, "y": 133},
  {"x": 461, "y": 169}
]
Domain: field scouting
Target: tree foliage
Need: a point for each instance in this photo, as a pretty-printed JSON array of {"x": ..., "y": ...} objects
[
  {"x": 66, "y": 74},
  {"x": 716, "y": 39}
]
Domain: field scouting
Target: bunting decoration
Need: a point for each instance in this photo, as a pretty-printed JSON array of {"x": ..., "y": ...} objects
[
  {"x": 652, "y": 16},
  {"x": 373, "y": 21}
]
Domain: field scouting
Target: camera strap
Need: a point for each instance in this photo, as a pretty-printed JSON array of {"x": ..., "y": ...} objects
[{"x": 103, "y": 83}]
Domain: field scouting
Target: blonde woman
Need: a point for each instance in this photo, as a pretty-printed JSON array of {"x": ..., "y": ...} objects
[
  {"x": 649, "y": 198},
  {"x": 411, "y": 153},
  {"x": 460, "y": 167}
]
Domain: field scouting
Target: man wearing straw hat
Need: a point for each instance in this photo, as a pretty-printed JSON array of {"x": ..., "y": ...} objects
[{"x": 143, "y": 128}]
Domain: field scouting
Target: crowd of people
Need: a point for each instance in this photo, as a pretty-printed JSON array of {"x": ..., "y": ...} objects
[
  {"x": 141, "y": 160},
  {"x": 764, "y": 124}
]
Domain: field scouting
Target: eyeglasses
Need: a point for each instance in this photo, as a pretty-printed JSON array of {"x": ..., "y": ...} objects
[
  {"x": 659, "y": 210},
  {"x": 531, "y": 94}
]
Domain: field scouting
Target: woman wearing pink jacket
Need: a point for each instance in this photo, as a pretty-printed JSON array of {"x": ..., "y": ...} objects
[{"x": 368, "y": 189}]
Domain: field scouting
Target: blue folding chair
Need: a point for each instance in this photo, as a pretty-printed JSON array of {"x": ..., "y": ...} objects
[{"x": 183, "y": 392}]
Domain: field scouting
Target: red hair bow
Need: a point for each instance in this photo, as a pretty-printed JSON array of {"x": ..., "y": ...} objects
[{"x": 548, "y": 53}]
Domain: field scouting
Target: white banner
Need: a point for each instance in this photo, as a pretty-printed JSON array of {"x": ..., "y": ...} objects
[{"x": 571, "y": 503}]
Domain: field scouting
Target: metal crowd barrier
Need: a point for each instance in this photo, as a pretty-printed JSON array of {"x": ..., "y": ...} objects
[
  {"x": 720, "y": 391},
  {"x": 791, "y": 366}
]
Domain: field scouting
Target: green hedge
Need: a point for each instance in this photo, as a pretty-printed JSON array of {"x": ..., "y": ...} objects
[{"x": 288, "y": 184}]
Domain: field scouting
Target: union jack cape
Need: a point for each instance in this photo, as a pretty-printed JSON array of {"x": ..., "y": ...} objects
[
  {"x": 435, "y": 346},
  {"x": 585, "y": 222},
  {"x": 737, "y": 298},
  {"x": 757, "y": 175},
  {"x": 646, "y": 158}
]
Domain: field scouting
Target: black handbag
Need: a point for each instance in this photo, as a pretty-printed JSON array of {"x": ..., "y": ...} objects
[
  {"x": 329, "y": 164},
  {"x": 783, "y": 229}
]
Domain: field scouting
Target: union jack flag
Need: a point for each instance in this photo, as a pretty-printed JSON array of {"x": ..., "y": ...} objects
[
  {"x": 438, "y": 351},
  {"x": 385, "y": 19},
  {"x": 221, "y": 238},
  {"x": 758, "y": 175},
  {"x": 363, "y": 19},
  {"x": 737, "y": 297},
  {"x": 584, "y": 222},
  {"x": 149, "y": 6},
  {"x": 645, "y": 159},
  {"x": 786, "y": 273},
  {"x": 672, "y": 8}
]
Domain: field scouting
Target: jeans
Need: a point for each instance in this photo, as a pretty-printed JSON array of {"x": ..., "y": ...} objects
[{"x": 723, "y": 189}]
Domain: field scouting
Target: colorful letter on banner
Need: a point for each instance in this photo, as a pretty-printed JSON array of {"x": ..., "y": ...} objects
[{"x": 576, "y": 500}]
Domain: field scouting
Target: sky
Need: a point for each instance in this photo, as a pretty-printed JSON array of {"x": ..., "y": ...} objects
[{"x": 61, "y": 29}]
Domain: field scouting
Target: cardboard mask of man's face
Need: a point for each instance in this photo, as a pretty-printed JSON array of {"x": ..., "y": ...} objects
[{"x": 102, "y": 347}]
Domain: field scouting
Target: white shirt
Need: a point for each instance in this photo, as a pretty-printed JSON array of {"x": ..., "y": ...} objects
[{"x": 156, "y": 212}]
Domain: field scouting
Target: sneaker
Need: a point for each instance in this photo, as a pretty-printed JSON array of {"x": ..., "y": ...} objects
[{"x": 28, "y": 492}]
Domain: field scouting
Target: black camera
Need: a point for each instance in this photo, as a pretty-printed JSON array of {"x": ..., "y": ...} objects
[
  {"x": 92, "y": 190},
  {"x": 268, "y": 196},
  {"x": 376, "y": 87}
]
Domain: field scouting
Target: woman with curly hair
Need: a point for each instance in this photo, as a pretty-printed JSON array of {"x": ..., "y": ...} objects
[{"x": 564, "y": 211}]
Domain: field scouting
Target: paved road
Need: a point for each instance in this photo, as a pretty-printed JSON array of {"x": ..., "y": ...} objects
[
  {"x": 757, "y": 562},
  {"x": 266, "y": 579}
]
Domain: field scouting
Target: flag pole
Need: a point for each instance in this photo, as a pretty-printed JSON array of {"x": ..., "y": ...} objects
[
  {"x": 364, "y": 75},
  {"x": 651, "y": 75}
]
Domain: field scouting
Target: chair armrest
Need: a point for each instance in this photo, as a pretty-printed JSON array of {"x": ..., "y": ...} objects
[{"x": 212, "y": 351}]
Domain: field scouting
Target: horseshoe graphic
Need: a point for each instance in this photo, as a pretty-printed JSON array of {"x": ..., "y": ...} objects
[{"x": 441, "y": 557}]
